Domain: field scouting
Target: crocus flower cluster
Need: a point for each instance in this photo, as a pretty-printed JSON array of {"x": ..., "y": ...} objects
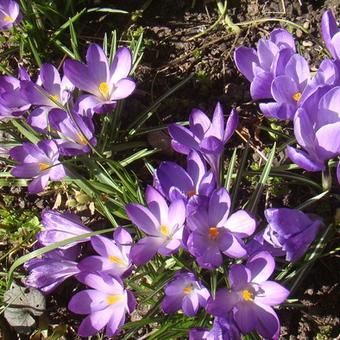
[
  {"x": 64, "y": 121},
  {"x": 278, "y": 73}
]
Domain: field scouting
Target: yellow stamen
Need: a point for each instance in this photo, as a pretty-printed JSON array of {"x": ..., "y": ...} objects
[
  {"x": 43, "y": 166},
  {"x": 164, "y": 230},
  {"x": 247, "y": 295},
  {"x": 297, "y": 96},
  {"x": 187, "y": 290},
  {"x": 116, "y": 259},
  {"x": 81, "y": 138},
  {"x": 104, "y": 89},
  {"x": 55, "y": 98},
  {"x": 111, "y": 299},
  {"x": 213, "y": 233},
  {"x": 8, "y": 18}
]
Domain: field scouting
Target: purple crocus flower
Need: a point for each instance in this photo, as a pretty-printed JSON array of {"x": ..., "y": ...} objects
[
  {"x": 290, "y": 230},
  {"x": 38, "y": 161},
  {"x": 186, "y": 293},
  {"x": 52, "y": 269},
  {"x": 162, "y": 223},
  {"x": 50, "y": 91},
  {"x": 317, "y": 130},
  {"x": 9, "y": 14},
  {"x": 61, "y": 226},
  {"x": 287, "y": 89},
  {"x": 251, "y": 297},
  {"x": 224, "y": 328},
  {"x": 205, "y": 136},
  {"x": 114, "y": 255},
  {"x": 262, "y": 65},
  {"x": 76, "y": 132},
  {"x": 331, "y": 33},
  {"x": 214, "y": 232},
  {"x": 106, "y": 82},
  {"x": 106, "y": 304},
  {"x": 175, "y": 182},
  {"x": 12, "y": 102}
]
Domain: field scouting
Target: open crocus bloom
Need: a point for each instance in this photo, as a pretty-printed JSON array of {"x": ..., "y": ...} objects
[
  {"x": 105, "y": 304},
  {"x": 317, "y": 130},
  {"x": 186, "y": 293},
  {"x": 114, "y": 255},
  {"x": 331, "y": 33},
  {"x": 38, "y": 161},
  {"x": 214, "y": 232},
  {"x": 162, "y": 223},
  {"x": 251, "y": 297},
  {"x": 106, "y": 82},
  {"x": 9, "y": 14}
]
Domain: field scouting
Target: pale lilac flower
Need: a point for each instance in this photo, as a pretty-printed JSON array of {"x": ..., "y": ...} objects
[
  {"x": 59, "y": 227},
  {"x": 291, "y": 231},
  {"x": 75, "y": 132},
  {"x": 331, "y": 33},
  {"x": 174, "y": 182},
  {"x": 317, "y": 130},
  {"x": 163, "y": 225},
  {"x": 50, "y": 91},
  {"x": 186, "y": 293},
  {"x": 105, "y": 304},
  {"x": 114, "y": 255},
  {"x": 38, "y": 161},
  {"x": 106, "y": 82},
  {"x": 261, "y": 65},
  {"x": 224, "y": 328},
  {"x": 52, "y": 269},
  {"x": 251, "y": 297},
  {"x": 214, "y": 232},
  {"x": 9, "y": 14},
  {"x": 204, "y": 135},
  {"x": 287, "y": 89}
]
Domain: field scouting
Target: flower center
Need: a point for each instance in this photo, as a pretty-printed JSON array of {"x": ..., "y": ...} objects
[
  {"x": 164, "y": 230},
  {"x": 213, "y": 233},
  {"x": 8, "y": 18},
  {"x": 104, "y": 89},
  {"x": 191, "y": 193},
  {"x": 116, "y": 260},
  {"x": 43, "y": 166},
  {"x": 111, "y": 299},
  {"x": 55, "y": 98},
  {"x": 187, "y": 290},
  {"x": 247, "y": 295},
  {"x": 81, "y": 138},
  {"x": 297, "y": 96}
]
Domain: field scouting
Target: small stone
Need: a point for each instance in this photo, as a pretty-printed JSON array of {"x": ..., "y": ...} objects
[
  {"x": 306, "y": 25},
  {"x": 307, "y": 43},
  {"x": 299, "y": 33}
]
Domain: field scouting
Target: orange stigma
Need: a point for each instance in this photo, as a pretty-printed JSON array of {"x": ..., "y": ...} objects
[
  {"x": 111, "y": 299},
  {"x": 187, "y": 290},
  {"x": 297, "y": 96},
  {"x": 213, "y": 233},
  {"x": 43, "y": 166},
  {"x": 247, "y": 295}
]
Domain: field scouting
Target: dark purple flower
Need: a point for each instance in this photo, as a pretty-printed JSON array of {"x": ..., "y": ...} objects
[
  {"x": 114, "y": 255},
  {"x": 38, "y": 161},
  {"x": 60, "y": 226},
  {"x": 330, "y": 33},
  {"x": 162, "y": 223},
  {"x": 290, "y": 230},
  {"x": 268, "y": 61},
  {"x": 106, "y": 304},
  {"x": 251, "y": 297},
  {"x": 223, "y": 328},
  {"x": 9, "y": 14},
  {"x": 12, "y": 102},
  {"x": 176, "y": 183},
  {"x": 75, "y": 132},
  {"x": 287, "y": 89},
  {"x": 205, "y": 136},
  {"x": 186, "y": 293},
  {"x": 106, "y": 82},
  {"x": 52, "y": 269},
  {"x": 317, "y": 129},
  {"x": 214, "y": 232},
  {"x": 50, "y": 91}
]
